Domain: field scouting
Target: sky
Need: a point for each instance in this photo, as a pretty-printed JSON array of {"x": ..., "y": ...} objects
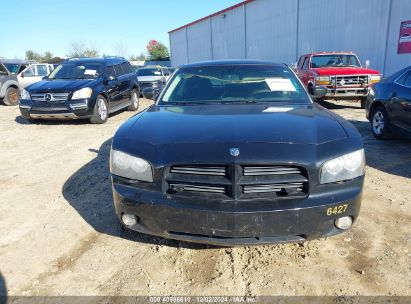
[{"x": 106, "y": 25}]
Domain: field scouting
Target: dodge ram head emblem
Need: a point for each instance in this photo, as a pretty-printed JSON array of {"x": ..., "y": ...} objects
[
  {"x": 47, "y": 97},
  {"x": 234, "y": 151}
]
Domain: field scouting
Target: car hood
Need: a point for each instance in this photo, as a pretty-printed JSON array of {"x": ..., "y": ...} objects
[
  {"x": 344, "y": 71},
  {"x": 149, "y": 78},
  {"x": 61, "y": 85},
  {"x": 300, "y": 124}
]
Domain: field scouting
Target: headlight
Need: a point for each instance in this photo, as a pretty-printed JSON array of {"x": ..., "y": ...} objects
[
  {"x": 25, "y": 94},
  {"x": 322, "y": 80},
  {"x": 125, "y": 165},
  {"x": 82, "y": 94},
  {"x": 346, "y": 167},
  {"x": 375, "y": 78}
]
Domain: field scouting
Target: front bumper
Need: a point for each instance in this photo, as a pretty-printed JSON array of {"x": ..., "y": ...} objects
[
  {"x": 346, "y": 92},
  {"x": 247, "y": 223},
  {"x": 69, "y": 109}
]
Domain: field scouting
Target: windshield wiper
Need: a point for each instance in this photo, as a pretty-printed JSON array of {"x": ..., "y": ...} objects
[
  {"x": 243, "y": 101},
  {"x": 187, "y": 103}
]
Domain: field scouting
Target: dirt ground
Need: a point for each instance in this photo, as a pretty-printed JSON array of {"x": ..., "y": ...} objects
[{"x": 59, "y": 234}]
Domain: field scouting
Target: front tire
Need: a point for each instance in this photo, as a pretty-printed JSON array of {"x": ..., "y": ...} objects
[
  {"x": 135, "y": 101},
  {"x": 12, "y": 97},
  {"x": 100, "y": 111},
  {"x": 380, "y": 124}
]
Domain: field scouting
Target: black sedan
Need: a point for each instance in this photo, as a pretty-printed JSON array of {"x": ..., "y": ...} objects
[
  {"x": 235, "y": 152},
  {"x": 388, "y": 106}
]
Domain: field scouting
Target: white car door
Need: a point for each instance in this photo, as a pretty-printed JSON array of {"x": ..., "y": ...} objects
[{"x": 32, "y": 74}]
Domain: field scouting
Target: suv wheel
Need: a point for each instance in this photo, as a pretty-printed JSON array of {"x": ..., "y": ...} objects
[
  {"x": 12, "y": 97},
  {"x": 100, "y": 112},
  {"x": 135, "y": 101},
  {"x": 380, "y": 124}
]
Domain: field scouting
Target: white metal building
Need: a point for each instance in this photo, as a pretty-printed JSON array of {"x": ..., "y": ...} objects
[{"x": 282, "y": 30}]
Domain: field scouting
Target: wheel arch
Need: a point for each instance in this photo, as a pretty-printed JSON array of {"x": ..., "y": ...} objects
[
  {"x": 374, "y": 105},
  {"x": 6, "y": 85}
]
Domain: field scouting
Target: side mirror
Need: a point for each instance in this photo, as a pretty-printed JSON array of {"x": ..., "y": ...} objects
[
  {"x": 319, "y": 92},
  {"x": 21, "y": 75},
  {"x": 148, "y": 93}
]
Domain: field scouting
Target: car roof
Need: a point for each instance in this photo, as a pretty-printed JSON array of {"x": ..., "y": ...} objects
[
  {"x": 107, "y": 60},
  {"x": 328, "y": 53},
  {"x": 17, "y": 61},
  {"x": 232, "y": 62}
]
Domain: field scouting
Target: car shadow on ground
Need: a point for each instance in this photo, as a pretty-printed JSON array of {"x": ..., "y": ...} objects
[
  {"x": 89, "y": 192},
  {"x": 337, "y": 106},
  {"x": 390, "y": 156},
  {"x": 3, "y": 290}
]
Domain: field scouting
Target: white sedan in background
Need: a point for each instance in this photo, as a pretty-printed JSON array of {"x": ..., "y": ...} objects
[{"x": 34, "y": 73}]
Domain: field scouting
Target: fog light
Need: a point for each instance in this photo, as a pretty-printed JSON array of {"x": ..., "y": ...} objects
[
  {"x": 129, "y": 219},
  {"x": 343, "y": 223}
]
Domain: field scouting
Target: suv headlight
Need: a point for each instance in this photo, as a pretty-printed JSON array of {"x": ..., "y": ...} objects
[
  {"x": 125, "y": 165},
  {"x": 346, "y": 167},
  {"x": 375, "y": 78},
  {"x": 82, "y": 94},
  {"x": 25, "y": 94},
  {"x": 322, "y": 80}
]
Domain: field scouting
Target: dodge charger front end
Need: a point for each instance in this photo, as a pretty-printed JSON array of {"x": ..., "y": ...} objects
[{"x": 236, "y": 153}]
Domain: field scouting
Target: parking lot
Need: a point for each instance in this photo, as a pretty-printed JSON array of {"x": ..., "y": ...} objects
[{"x": 59, "y": 234}]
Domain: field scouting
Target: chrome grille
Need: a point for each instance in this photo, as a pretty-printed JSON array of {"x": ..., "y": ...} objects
[
  {"x": 207, "y": 170},
  {"x": 297, "y": 187},
  {"x": 52, "y": 97},
  {"x": 239, "y": 182},
  {"x": 197, "y": 188},
  {"x": 270, "y": 170},
  {"x": 349, "y": 80}
]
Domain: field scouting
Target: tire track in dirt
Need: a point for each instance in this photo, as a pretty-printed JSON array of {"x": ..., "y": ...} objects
[{"x": 62, "y": 263}]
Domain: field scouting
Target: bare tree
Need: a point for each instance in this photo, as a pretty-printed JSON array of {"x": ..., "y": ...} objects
[
  {"x": 80, "y": 49},
  {"x": 120, "y": 49}
]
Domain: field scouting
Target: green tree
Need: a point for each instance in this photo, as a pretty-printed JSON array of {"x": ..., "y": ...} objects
[
  {"x": 32, "y": 55},
  {"x": 157, "y": 50},
  {"x": 141, "y": 57},
  {"x": 47, "y": 57}
]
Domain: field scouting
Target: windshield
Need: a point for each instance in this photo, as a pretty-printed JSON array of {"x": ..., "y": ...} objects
[
  {"x": 233, "y": 84},
  {"x": 3, "y": 70},
  {"x": 334, "y": 60},
  {"x": 77, "y": 70},
  {"x": 149, "y": 72},
  {"x": 12, "y": 67}
]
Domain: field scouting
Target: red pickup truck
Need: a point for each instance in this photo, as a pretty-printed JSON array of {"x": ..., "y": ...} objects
[{"x": 340, "y": 72}]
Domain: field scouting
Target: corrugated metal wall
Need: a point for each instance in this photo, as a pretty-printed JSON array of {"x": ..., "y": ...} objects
[
  {"x": 229, "y": 35},
  {"x": 271, "y": 30},
  {"x": 282, "y": 30}
]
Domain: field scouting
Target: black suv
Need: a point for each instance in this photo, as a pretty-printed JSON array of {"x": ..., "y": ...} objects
[{"x": 88, "y": 88}]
